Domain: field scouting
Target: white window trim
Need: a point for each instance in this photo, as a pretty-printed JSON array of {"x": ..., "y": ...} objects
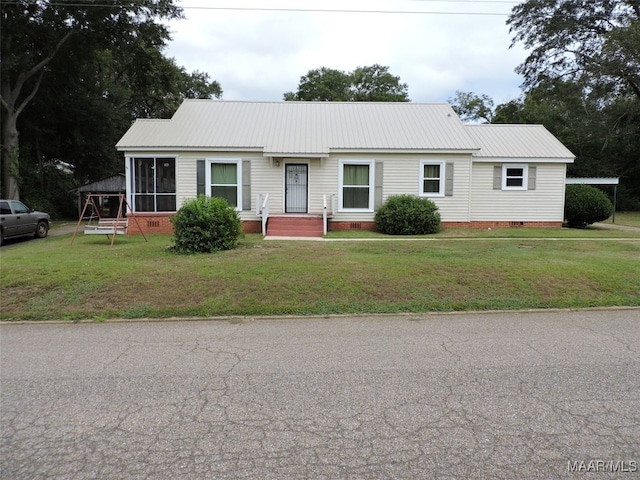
[
  {"x": 525, "y": 175},
  {"x": 440, "y": 193},
  {"x": 372, "y": 177},
  {"x": 207, "y": 177},
  {"x": 129, "y": 175}
]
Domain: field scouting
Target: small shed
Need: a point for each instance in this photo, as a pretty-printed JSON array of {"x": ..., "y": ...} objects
[{"x": 108, "y": 205}]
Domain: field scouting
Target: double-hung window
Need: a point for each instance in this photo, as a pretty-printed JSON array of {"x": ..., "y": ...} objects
[
  {"x": 514, "y": 177},
  {"x": 432, "y": 179},
  {"x": 224, "y": 180},
  {"x": 356, "y": 185},
  {"x": 153, "y": 181}
]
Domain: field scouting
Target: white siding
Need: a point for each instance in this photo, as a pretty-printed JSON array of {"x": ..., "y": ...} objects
[
  {"x": 187, "y": 182},
  {"x": 545, "y": 203},
  {"x": 402, "y": 175},
  {"x": 186, "y": 179}
]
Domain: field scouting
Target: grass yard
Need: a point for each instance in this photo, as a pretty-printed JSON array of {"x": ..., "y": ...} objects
[
  {"x": 50, "y": 279},
  {"x": 631, "y": 219}
]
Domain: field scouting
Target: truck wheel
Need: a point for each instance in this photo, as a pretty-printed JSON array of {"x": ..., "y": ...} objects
[{"x": 42, "y": 229}]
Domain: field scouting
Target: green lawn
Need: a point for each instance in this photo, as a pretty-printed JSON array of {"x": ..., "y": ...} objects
[
  {"x": 51, "y": 279},
  {"x": 631, "y": 219}
]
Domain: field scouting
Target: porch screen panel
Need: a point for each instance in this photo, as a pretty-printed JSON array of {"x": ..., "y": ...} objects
[
  {"x": 143, "y": 187},
  {"x": 224, "y": 182},
  {"x": 165, "y": 184},
  {"x": 355, "y": 190}
]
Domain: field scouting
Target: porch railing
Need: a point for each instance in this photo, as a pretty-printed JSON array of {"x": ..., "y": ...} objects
[
  {"x": 262, "y": 209},
  {"x": 325, "y": 205}
]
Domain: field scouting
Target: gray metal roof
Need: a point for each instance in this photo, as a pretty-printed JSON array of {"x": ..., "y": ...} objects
[
  {"x": 303, "y": 128},
  {"x": 518, "y": 141}
]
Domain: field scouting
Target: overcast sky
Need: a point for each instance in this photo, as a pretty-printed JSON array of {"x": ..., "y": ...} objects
[{"x": 258, "y": 50}]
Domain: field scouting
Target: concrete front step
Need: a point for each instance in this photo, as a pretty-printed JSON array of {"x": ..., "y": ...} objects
[{"x": 295, "y": 227}]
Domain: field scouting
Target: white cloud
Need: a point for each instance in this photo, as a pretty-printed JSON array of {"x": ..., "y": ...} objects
[{"x": 259, "y": 55}]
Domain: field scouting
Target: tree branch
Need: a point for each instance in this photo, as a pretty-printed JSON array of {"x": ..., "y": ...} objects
[{"x": 31, "y": 72}]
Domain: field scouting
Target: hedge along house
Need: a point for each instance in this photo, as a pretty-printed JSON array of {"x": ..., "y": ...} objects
[{"x": 302, "y": 168}]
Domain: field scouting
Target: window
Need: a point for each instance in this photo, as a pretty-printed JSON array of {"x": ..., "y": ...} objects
[
  {"x": 356, "y": 185},
  {"x": 19, "y": 207},
  {"x": 432, "y": 179},
  {"x": 514, "y": 177},
  {"x": 223, "y": 180},
  {"x": 154, "y": 184}
]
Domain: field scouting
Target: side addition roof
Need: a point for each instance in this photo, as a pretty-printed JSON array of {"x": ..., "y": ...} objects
[
  {"x": 303, "y": 128},
  {"x": 518, "y": 142}
]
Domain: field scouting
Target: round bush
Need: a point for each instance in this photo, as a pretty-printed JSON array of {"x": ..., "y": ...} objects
[
  {"x": 585, "y": 205},
  {"x": 206, "y": 224},
  {"x": 408, "y": 215}
]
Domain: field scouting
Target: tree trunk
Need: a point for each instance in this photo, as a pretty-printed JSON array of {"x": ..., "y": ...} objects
[{"x": 10, "y": 156}]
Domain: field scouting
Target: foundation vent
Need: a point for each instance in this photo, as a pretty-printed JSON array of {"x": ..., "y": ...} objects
[{"x": 356, "y": 226}]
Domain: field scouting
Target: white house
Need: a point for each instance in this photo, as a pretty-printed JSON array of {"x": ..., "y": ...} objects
[{"x": 300, "y": 162}]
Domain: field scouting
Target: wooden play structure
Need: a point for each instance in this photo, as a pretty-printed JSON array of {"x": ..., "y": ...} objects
[{"x": 106, "y": 226}]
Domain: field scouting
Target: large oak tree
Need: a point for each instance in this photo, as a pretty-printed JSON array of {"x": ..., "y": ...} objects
[{"x": 595, "y": 42}]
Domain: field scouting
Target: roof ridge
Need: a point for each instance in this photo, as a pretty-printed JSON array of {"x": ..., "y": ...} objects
[{"x": 310, "y": 102}]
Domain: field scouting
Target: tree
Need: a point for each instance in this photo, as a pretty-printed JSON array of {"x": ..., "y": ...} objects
[
  {"x": 596, "y": 42},
  {"x": 364, "y": 84},
  {"x": 471, "y": 107},
  {"x": 376, "y": 84},
  {"x": 322, "y": 85},
  {"x": 584, "y": 61},
  {"x": 33, "y": 34}
]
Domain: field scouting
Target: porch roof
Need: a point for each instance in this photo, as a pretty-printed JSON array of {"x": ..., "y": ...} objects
[{"x": 303, "y": 128}]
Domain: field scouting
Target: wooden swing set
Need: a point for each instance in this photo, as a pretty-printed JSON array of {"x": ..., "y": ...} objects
[{"x": 106, "y": 226}]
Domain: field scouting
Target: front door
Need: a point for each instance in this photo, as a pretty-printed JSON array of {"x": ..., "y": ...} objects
[{"x": 296, "y": 176}]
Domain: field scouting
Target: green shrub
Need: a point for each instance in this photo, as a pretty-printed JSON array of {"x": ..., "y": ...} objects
[
  {"x": 206, "y": 224},
  {"x": 585, "y": 205},
  {"x": 408, "y": 215}
]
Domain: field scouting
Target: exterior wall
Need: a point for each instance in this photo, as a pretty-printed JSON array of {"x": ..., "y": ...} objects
[
  {"x": 544, "y": 204},
  {"x": 402, "y": 175},
  {"x": 149, "y": 223},
  {"x": 186, "y": 177},
  {"x": 187, "y": 181},
  {"x": 474, "y": 202}
]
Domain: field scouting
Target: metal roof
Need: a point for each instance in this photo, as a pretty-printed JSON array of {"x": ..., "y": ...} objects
[
  {"x": 592, "y": 181},
  {"x": 303, "y": 128},
  {"x": 114, "y": 184},
  {"x": 518, "y": 142}
]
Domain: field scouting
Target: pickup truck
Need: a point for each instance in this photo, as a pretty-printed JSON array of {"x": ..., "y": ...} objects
[{"x": 17, "y": 220}]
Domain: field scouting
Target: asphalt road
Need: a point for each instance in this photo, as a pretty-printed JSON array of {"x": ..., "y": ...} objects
[{"x": 540, "y": 395}]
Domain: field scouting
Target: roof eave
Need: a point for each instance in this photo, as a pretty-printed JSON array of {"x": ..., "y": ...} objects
[{"x": 515, "y": 159}]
